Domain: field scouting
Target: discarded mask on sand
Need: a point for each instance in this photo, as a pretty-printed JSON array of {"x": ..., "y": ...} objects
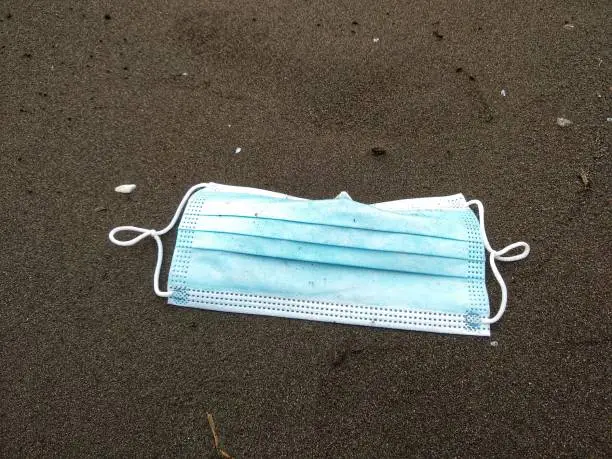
[{"x": 413, "y": 264}]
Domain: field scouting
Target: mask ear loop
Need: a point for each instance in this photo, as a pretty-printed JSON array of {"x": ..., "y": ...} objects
[
  {"x": 498, "y": 255},
  {"x": 144, "y": 233}
]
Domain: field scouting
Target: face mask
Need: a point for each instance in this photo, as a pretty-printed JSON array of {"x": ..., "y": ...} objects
[{"x": 413, "y": 264}]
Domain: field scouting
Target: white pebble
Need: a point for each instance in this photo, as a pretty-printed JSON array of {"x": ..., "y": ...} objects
[
  {"x": 503, "y": 93},
  {"x": 494, "y": 343},
  {"x": 376, "y": 40},
  {"x": 125, "y": 189},
  {"x": 609, "y": 119},
  {"x": 237, "y": 150},
  {"x": 184, "y": 74},
  {"x": 563, "y": 122}
]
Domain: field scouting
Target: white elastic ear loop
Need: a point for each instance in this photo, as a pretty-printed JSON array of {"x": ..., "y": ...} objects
[
  {"x": 144, "y": 233},
  {"x": 498, "y": 255}
]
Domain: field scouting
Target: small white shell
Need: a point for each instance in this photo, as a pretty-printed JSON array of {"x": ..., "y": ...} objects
[
  {"x": 237, "y": 150},
  {"x": 376, "y": 39},
  {"x": 503, "y": 93},
  {"x": 125, "y": 189},
  {"x": 563, "y": 122}
]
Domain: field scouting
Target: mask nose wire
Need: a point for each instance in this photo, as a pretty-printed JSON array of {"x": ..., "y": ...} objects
[
  {"x": 145, "y": 232},
  {"x": 500, "y": 256}
]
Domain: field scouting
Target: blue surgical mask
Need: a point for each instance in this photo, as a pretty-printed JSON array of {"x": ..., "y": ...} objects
[{"x": 413, "y": 264}]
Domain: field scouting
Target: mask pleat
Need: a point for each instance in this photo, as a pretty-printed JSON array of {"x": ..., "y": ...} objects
[
  {"x": 343, "y": 213},
  {"x": 384, "y": 241}
]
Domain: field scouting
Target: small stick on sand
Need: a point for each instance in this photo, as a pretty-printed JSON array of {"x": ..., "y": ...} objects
[
  {"x": 216, "y": 442},
  {"x": 213, "y": 428}
]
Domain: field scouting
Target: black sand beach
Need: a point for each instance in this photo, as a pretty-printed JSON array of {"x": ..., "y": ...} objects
[{"x": 161, "y": 93}]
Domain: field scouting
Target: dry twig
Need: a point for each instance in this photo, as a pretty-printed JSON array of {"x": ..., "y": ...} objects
[{"x": 216, "y": 441}]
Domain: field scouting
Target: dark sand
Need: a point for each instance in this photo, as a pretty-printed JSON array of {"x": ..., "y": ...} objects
[{"x": 92, "y": 363}]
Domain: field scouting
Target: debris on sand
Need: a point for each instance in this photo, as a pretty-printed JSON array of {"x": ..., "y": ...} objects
[
  {"x": 563, "y": 122},
  {"x": 100, "y": 209},
  {"x": 237, "y": 150},
  {"x": 375, "y": 39},
  {"x": 494, "y": 343},
  {"x": 568, "y": 26},
  {"x": 378, "y": 151},
  {"x": 125, "y": 189},
  {"x": 216, "y": 440},
  {"x": 503, "y": 93},
  {"x": 584, "y": 179}
]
